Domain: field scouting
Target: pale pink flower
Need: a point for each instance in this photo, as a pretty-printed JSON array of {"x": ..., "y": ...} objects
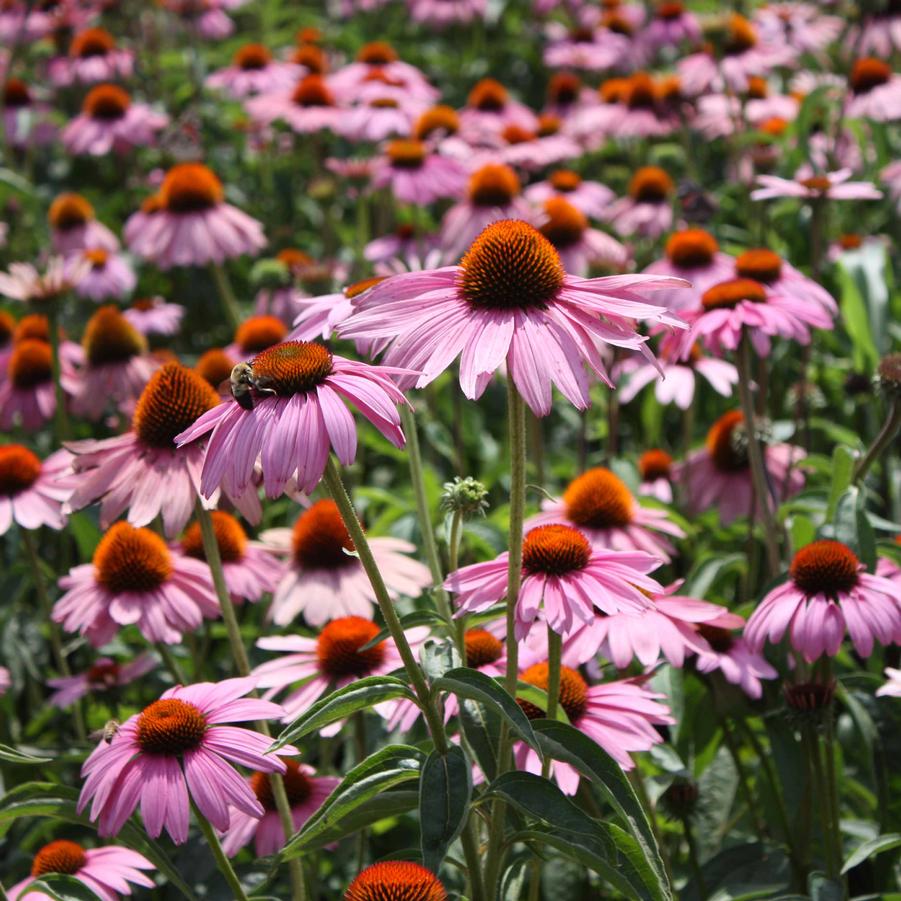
[
  {"x": 586, "y": 48},
  {"x": 308, "y": 108},
  {"x": 831, "y": 186},
  {"x": 27, "y": 121},
  {"x": 591, "y": 197},
  {"x": 378, "y": 60},
  {"x": 108, "y": 276},
  {"x": 29, "y": 495},
  {"x": 579, "y": 246},
  {"x": 193, "y": 225},
  {"x": 93, "y": 56},
  {"x": 381, "y": 110},
  {"x": 254, "y": 71},
  {"x": 801, "y": 25},
  {"x": 5, "y": 681},
  {"x": 490, "y": 109},
  {"x": 332, "y": 660},
  {"x": 325, "y": 580},
  {"x": 655, "y": 469},
  {"x": 293, "y": 429},
  {"x": 416, "y": 176},
  {"x": 104, "y": 674},
  {"x": 879, "y": 33},
  {"x": 74, "y": 227},
  {"x": 671, "y": 26},
  {"x": 563, "y": 573},
  {"x": 730, "y": 654},
  {"x": 599, "y": 504},
  {"x": 155, "y": 316},
  {"x": 718, "y": 474},
  {"x": 24, "y": 282},
  {"x": 892, "y": 688},
  {"x": 875, "y": 91},
  {"x": 443, "y": 13},
  {"x": 528, "y": 150},
  {"x": 510, "y": 301},
  {"x": 891, "y": 177},
  {"x": 647, "y": 211},
  {"x": 178, "y": 750},
  {"x": 106, "y": 872},
  {"x": 306, "y": 792},
  {"x": 27, "y": 394}
]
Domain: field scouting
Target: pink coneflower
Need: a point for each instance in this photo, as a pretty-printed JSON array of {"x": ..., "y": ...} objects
[
  {"x": 647, "y": 211},
  {"x": 677, "y": 386},
  {"x": 116, "y": 366},
  {"x": 26, "y": 121},
  {"x": 510, "y": 300},
  {"x": 308, "y": 108},
  {"x": 24, "y": 282},
  {"x": 566, "y": 94},
  {"x": 254, "y": 71},
  {"x": 255, "y": 335},
  {"x": 580, "y": 247},
  {"x": 250, "y": 572},
  {"x": 404, "y": 243},
  {"x": 325, "y": 579},
  {"x": 442, "y": 13},
  {"x": 277, "y": 279},
  {"x": 827, "y": 593},
  {"x": 143, "y": 471},
  {"x": 892, "y": 687},
  {"x": 29, "y": 495},
  {"x": 586, "y": 48},
  {"x": 599, "y": 504},
  {"x": 155, "y": 316},
  {"x": 562, "y": 572},
  {"x": 668, "y": 627},
  {"x": 337, "y": 657},
  {"x": 296, "y": 426},
  {"x": 194, "y": 225},
  {"x": 416, "y": 176},
  {"x": 21, "y": 23},
  {"x": 781, "y": 278},
  {"x": 591, "y": 197},
  {"x": 671, "y": 25},
  {"x": 135, "y": 579},
  {"x": 694, "y": 255},
  {"x": 642, "y": 113},
  {"x": 831, "y": 186},
  {"x": 655, "y": 468},
  {"x": 399, "y": 880},
  {"x": 619, "y": 716},
  {"x": 27, "y": 394},
  {"x": 110, "y": 122},
  {"x": 801, "y": 25},
  {"x": 891, "y": 176},
  {"x": 379, "y": 60},
  {"x": 381, "y": 110},
  {"x": 305, "y": 790},
  {"x": 744, "y": 305},
  {"x": 104, "y": 674},
  {"x": 106, "y": 872},
  {"x": 489, "y": 109},
  {"x": 108, "y": 275},
  {"x": 176, "y": 751},
  {"x": 73, "y": 226},
  {"x": 93, "y": 56},
  {"x": 492, "y": 194},
  {"x": 530, "y": 150},
  {"x": 875, "y": 91},
  {"x": 718, "y": 474},
  {"x": 730, "y": 654},
  {"x": 720, "y": 115}
]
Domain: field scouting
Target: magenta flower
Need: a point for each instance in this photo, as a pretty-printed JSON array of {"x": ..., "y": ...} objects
[
  {"x": 442, "y": 13},
  {"x": 179, "y": 749},
  {"x": 93, "y": 56},
  {"x": 155, "y": 316},
  {"x": 875, "y": 91},
  {"x": 619, "y": 716},
  {"x": 509, "y": 301},
  {"x": 378, "y": 60},
  {"x": 719, "y": 475},
  {"x": 324, "y": 579},
  {"x": 306, "y": 791},
  {"x": 591, "y": 197},
  {"x": 135, "y": 579},
  {"x": 600, "y": 505},
  {"x": 27, "y": 122},
  {"x": 562, "y": 572},
  {"x": 827, "y": 593},
  {"x": 108, "y": 276},
  {"x": 293, "y": 429},
  {"x": 647, "y": 211},
  {"x": 29, "y": 494},
  {"x": 107, "y": 871},
  {"x": 104, "y": 674},
  {"x": 254, "y": 71},
  {"x": 337, "y": 657},
  {"x": 416, "y": 176},
  {"x": 731, "y": 655},
  {"x": 308, "y": 108},
  {"x": 831, "y": 186}
]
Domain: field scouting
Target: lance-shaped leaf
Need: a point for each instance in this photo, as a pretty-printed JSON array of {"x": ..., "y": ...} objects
[
  {"x": 14, "y": 755},
  {"x": 61, "y": 888},
  {"x": 445, "y": 787}
]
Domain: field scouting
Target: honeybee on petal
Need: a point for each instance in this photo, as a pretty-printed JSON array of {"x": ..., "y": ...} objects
[
  {"x": 109, "y": 731},
  {"x": 243, "y": 383}
]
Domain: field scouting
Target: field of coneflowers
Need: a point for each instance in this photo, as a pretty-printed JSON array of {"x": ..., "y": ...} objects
[{"x": 449, "y": 450}]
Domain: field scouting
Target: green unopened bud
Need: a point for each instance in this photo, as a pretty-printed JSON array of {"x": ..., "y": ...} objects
[
  {"x": 270, "y": 274},
  {"x": 467, "y": 496}
]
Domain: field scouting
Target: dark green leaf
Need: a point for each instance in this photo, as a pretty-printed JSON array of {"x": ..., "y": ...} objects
[
  {"x": 871, "y": 848},
  {"x": 61, "y": 888},
  {"x": 340, "y": 704},
  {"x": 481, "y": 726},
  {"x": 445, "y": 786},
  {"x": 843, "y": 460}
]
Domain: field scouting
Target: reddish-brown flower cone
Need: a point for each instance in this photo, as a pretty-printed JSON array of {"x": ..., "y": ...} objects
[{"x": 396, "y": 880}]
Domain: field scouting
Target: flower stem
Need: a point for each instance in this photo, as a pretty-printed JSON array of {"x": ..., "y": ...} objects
[
  {"x": 453, "y": 562},
  {"x": 743, "y": 780},
  {"x": 755, "y": 458},
  {"x": 554, "y": 653},
  {"x": 812, "y": 746},
  {"x": 222, "y": 862},
  {"x": 430, "y": 545},
  {"x": 171, "y": 663},
  {"x": 239, "y": 653},
  {"x": 693, "y": 859},
  {"x": 881, "y": 442},
  {"x": 60, "y": 418},
  {"x": 516, "y": 425},
  {"x": 226, "y": 295}
]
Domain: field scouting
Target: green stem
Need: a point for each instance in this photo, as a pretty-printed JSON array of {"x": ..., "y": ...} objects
[
  {"x": 812, "y": 746},
  {"x": 430, "y": 545},
  {"x": 470, "y": 842},
  {"x": 239, "y": 653},
  {"x": 222, "y": 862},
  {"x": 60, "y": 417},
  {"x": 881, "y": 443},
  {"x": 516, "y": 424},
  {"x": 554, "y": 653},
  {"x": 743, "y": 780},
  {"x": 693, "y": 860},
  {"x": 226, "y": 295},
  {"x": 830, "y": 775},
  {"x": 171, "y": 663},
  {"x": 755, "y": 458},
  {"x": 453, "y": 562}
]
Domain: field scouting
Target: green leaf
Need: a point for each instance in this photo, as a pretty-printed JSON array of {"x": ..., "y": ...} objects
[
  {"x": 13, "y": 755},
  {"x": 392, "y": 765},
  {"x": 445, "y": 787},
  {"x": 481, "y": 726},
  {"x": 852, "y": 527},
  {"x": 857, "y": 322},
  {"x": 538, "y": 697},
  {"x": 871, "y": 848},
  {"x": 566, "y": 743},
  {"x": 843, "y": 460},
  {"x": 822, "y": 888},
  {"x": 61, "y": 888},
  {"x": 342, "y": 703},
  {"x": 469, "y": 683},
  {"x": 47, "y": 799}
]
